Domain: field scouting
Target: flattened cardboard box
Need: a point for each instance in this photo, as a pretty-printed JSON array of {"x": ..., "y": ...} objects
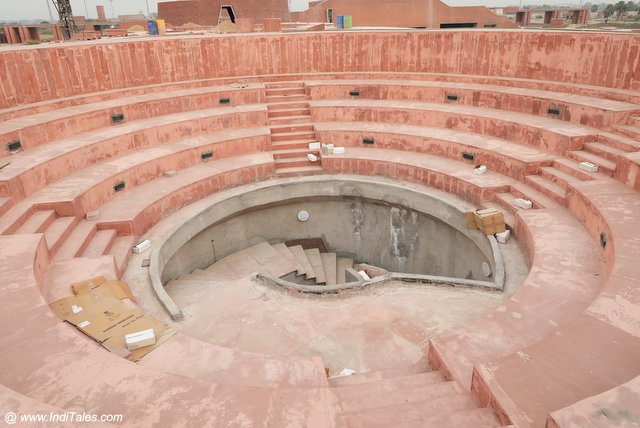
[{"x": 104, "y": 311}]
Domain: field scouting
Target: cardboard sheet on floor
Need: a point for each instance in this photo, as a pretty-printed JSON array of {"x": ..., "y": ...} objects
[{"x": 104, "y": 311}]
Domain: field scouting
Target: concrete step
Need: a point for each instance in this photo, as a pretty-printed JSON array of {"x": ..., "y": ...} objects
[
  {"x": 620, "y": 142},
  {"x": 37, "y": 222},
  {"x": 628, "y": 131},
  {"x": 121, "y": 250},
  {"x": 287, "y": 105},
  {"x": 58, "y": 231},
  {"x": 329, "y": 264},
  {"x": 548, "y": 187},
  {"x": 293, "y": 136},
  {"x": 303, "y": 261},
  {"x": 572, "y": 168},
  {"x": 101, "y": 243},
  {"x": 342, "y": 264},
  {"x": 605, "y": 166},
  {"x": 294, "y": 153},
  {"x": 409, "y": 412},
  {"x": 294, "y": 162},
  {"x": 286, "y": 98},
  {"x": 419, "y": 367},
  {"x": 290, "y": 112},
  {"x": 6, "y": 203},
  {"x": 379, "y": 383},
  {"x": 365, "y": 400},
  {"x": 184, "y": 292},
  {"x": 299, "y": 171},
  {"x": 313, "y": 255},
  {"x": 212, "y": 274},
  {"x": 305, "y": 126},
  {"x": 77, "y": 241},
  {"x": 288, "y": 91},
  {"x": 558, "y": 176},
  {"x": 605, "y": 151},
  {"x": 289, "y": 120},
  {"x": 284, "y": 84},
  {"x": 291, "y": 144},
  {"x": 470, "y": 418},
  {"x": 505, "y": 200},
  {"x": 287, "y": 254}
]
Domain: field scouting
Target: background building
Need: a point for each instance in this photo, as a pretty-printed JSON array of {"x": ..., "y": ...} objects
[{"x": 388, "y": 13}]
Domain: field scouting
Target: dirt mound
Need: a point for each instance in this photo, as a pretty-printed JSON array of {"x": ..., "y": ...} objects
[{"x": 226, "y": 27}]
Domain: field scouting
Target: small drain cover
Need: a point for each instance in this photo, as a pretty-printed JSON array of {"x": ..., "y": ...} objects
[{"x": 303, "y": 215}]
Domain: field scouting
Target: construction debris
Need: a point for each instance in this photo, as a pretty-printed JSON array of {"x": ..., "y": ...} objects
[
  {"x": 106, "y": 312},
  {"x": 489, "y": 221}
]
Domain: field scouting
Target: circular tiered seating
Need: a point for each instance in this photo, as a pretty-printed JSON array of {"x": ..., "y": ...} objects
[{"x": 108, "y": 144}]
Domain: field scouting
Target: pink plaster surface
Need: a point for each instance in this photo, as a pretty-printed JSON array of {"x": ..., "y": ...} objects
[
  {"x": 545, "y": 133},
  {"x": 565, "y": 344},
  {"x": 576, "y": 108},
  {"x": 98, "y": 66},
  {"x": 617, "y": 406},
  {"x": 42, "y": 128},
  {"x": 508, "y": 158},
  {"x": 136, "y": 211}
]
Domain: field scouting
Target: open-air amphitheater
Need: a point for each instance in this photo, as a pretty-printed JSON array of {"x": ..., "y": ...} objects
[{"x": 200, "y": 145}]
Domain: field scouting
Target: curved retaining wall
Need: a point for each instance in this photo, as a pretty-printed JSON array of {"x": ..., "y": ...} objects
[
  {"x": 32, "y": 75},
  {"x": 201, "y": 215}
]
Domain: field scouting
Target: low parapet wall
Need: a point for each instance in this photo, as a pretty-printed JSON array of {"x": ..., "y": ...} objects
[{"x": 34, "y": 74}]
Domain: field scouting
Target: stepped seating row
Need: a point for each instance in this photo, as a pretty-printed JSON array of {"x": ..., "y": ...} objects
[
  {"x": 505, "y": 341},
  {"x": 543, "y": 85},
  {"x": 615, "y": 155},
  {"x": 572, "y": 281},
  {"x": 90, "y": 188},
  {"x": 585, "y": 110},
  {"x": 31, "y": 170},
  {"x": 39, "y": 129},
  {"x": 19, "y": 165}
]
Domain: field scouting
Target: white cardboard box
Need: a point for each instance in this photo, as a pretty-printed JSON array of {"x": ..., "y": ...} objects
[
  {"x": 503, "y": 237},
  {"x": 480, "y": 170},
  {"x": 314, "y": 146},
  {"x": 588, "y": 166},
  {"x": 140, "y": 339},
  {"x": 339, "y": 150},
  {"x": 142, "y": 247},
  {"x": 523, "y": 203},
  {"x": 92, "y": 215},
  {"x": 312, "y": 157}
]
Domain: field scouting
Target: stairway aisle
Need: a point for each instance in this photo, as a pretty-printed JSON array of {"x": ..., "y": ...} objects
[
  {"x": 426, "y": 399},
  {"x": 291, "y": 130}
]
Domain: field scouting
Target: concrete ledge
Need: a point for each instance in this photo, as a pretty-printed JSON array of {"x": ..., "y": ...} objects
[
  {"x": 585, "y": 110},
  {"x": 312, "y": 289},
  {"x": 541, "y": 132}
]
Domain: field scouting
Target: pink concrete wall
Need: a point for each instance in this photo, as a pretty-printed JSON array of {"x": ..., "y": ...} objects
[{"x": 37, "y": 74}]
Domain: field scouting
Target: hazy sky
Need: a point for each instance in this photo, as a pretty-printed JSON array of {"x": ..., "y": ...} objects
[{"x": 35, "y": 9}]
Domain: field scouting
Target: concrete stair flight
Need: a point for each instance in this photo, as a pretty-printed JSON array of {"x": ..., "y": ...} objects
[
  {"x": 305, "y": 266},
  {"x": 412, "y": 400},
  {"x": 291, "y": 129}
]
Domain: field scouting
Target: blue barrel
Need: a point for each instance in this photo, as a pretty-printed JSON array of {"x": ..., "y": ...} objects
[
  {"x": 153, "y": 28},
  {"x": 340, "y": 21}
]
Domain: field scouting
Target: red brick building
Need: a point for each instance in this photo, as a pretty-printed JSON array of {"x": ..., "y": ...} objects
[
  {"x": 207, "y": 12},
  {"x": 391, "y": 13},
  {"x": 404, "y": 13}
]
